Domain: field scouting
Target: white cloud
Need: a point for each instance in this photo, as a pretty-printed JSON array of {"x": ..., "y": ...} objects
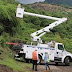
[{"x": 30, "y": 1}]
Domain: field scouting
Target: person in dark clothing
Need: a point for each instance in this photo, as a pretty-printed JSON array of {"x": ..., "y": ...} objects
[
  {"x": 35, "y": 63},
  {"x": 34, "y": 59}
]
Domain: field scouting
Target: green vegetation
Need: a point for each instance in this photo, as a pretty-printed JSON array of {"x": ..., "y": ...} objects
[
  {"x": 8, "y": 60},
  {"x": 14, "y": 29},
  {"x": 71, "y": 63}
]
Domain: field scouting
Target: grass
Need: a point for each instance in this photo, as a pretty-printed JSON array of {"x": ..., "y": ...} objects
[
  {"x": 71, "y": 63},
  {"x": 12, "y": 63}
]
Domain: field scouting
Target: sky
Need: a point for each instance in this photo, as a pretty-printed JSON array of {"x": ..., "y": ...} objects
[{"x": 30, "y": 1}]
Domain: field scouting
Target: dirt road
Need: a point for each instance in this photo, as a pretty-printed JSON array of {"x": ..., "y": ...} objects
[
  {"x": 41, "y": 68},
  {"x": 59, "y": 68}
]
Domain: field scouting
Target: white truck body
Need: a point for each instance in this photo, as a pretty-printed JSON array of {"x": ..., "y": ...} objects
[{"x": 57, "y": 52}]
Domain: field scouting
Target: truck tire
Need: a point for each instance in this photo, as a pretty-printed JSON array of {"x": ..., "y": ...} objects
[
  {"x": 67, "y": 61},
  {"x": 39, "y": 59},
  {"x": 23, "y": 56},
  {"x": 27, "y": 61},
  {"x": 56, "y": 63}
]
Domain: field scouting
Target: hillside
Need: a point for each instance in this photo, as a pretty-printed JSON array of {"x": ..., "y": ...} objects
[
  {"x": 49, "y": 7},
  {"x": 13, "y": 29},
  {"x": 18, "y": 30},
  {"x": 61, "y": 2},
  {"x": 8, "y": 29},
  {"x": 29, "y": 1}
]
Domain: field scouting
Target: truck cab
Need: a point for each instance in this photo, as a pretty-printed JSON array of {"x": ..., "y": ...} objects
[
  {"x": 61, "y": 55},
  {"x": 58, "y": 54}
]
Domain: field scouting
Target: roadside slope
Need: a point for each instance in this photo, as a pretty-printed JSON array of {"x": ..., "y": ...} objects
[{"x": 9, "y": 64}]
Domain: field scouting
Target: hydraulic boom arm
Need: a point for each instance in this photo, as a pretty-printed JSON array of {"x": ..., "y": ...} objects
[{"x": 34, "y": 37}]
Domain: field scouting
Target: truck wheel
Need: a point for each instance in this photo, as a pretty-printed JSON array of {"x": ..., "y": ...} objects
[
  {"x": 39, "y": 59},
  {"x": 67, "y": 61},
  {"x": 27, "y": 61},
  {"x": 24, "y": 58},
  {"x": 56, "y": 63}
]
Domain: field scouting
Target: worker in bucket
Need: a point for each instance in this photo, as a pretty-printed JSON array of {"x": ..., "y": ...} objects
[
  {"x": 35, "y": 58},
  {"x": 46, "y": 60},
  {"x": 20, "y": 5}
]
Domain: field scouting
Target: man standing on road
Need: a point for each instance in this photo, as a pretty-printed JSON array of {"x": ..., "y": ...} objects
[
  {"x": 35, "y": 58},
  {"x": 46, "y": 60}
]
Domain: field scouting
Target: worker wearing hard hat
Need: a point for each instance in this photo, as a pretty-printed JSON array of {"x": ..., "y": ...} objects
[
  {"x": 35, "y": 58},
  {"x": 20, "y": 5},
  {"x": 46, "y": 60}
]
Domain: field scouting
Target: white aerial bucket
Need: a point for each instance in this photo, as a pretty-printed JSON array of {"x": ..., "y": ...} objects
[{"x": 19, "y": 12}]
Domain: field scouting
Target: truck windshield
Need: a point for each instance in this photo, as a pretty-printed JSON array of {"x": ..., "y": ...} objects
[{"x": 60, "y": 47}]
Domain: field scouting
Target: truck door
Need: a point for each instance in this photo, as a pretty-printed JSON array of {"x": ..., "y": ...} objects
[
  {"x": 51, "y": 54},
  {"x": 59, "y": 52},
  {"x": 28, "y": 51}
]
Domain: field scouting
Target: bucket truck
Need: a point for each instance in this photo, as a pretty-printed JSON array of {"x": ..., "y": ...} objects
[{"x": 56, "y": 51}]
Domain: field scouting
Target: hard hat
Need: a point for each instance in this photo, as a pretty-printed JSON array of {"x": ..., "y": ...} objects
[{"x": 21, "y": 3}]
